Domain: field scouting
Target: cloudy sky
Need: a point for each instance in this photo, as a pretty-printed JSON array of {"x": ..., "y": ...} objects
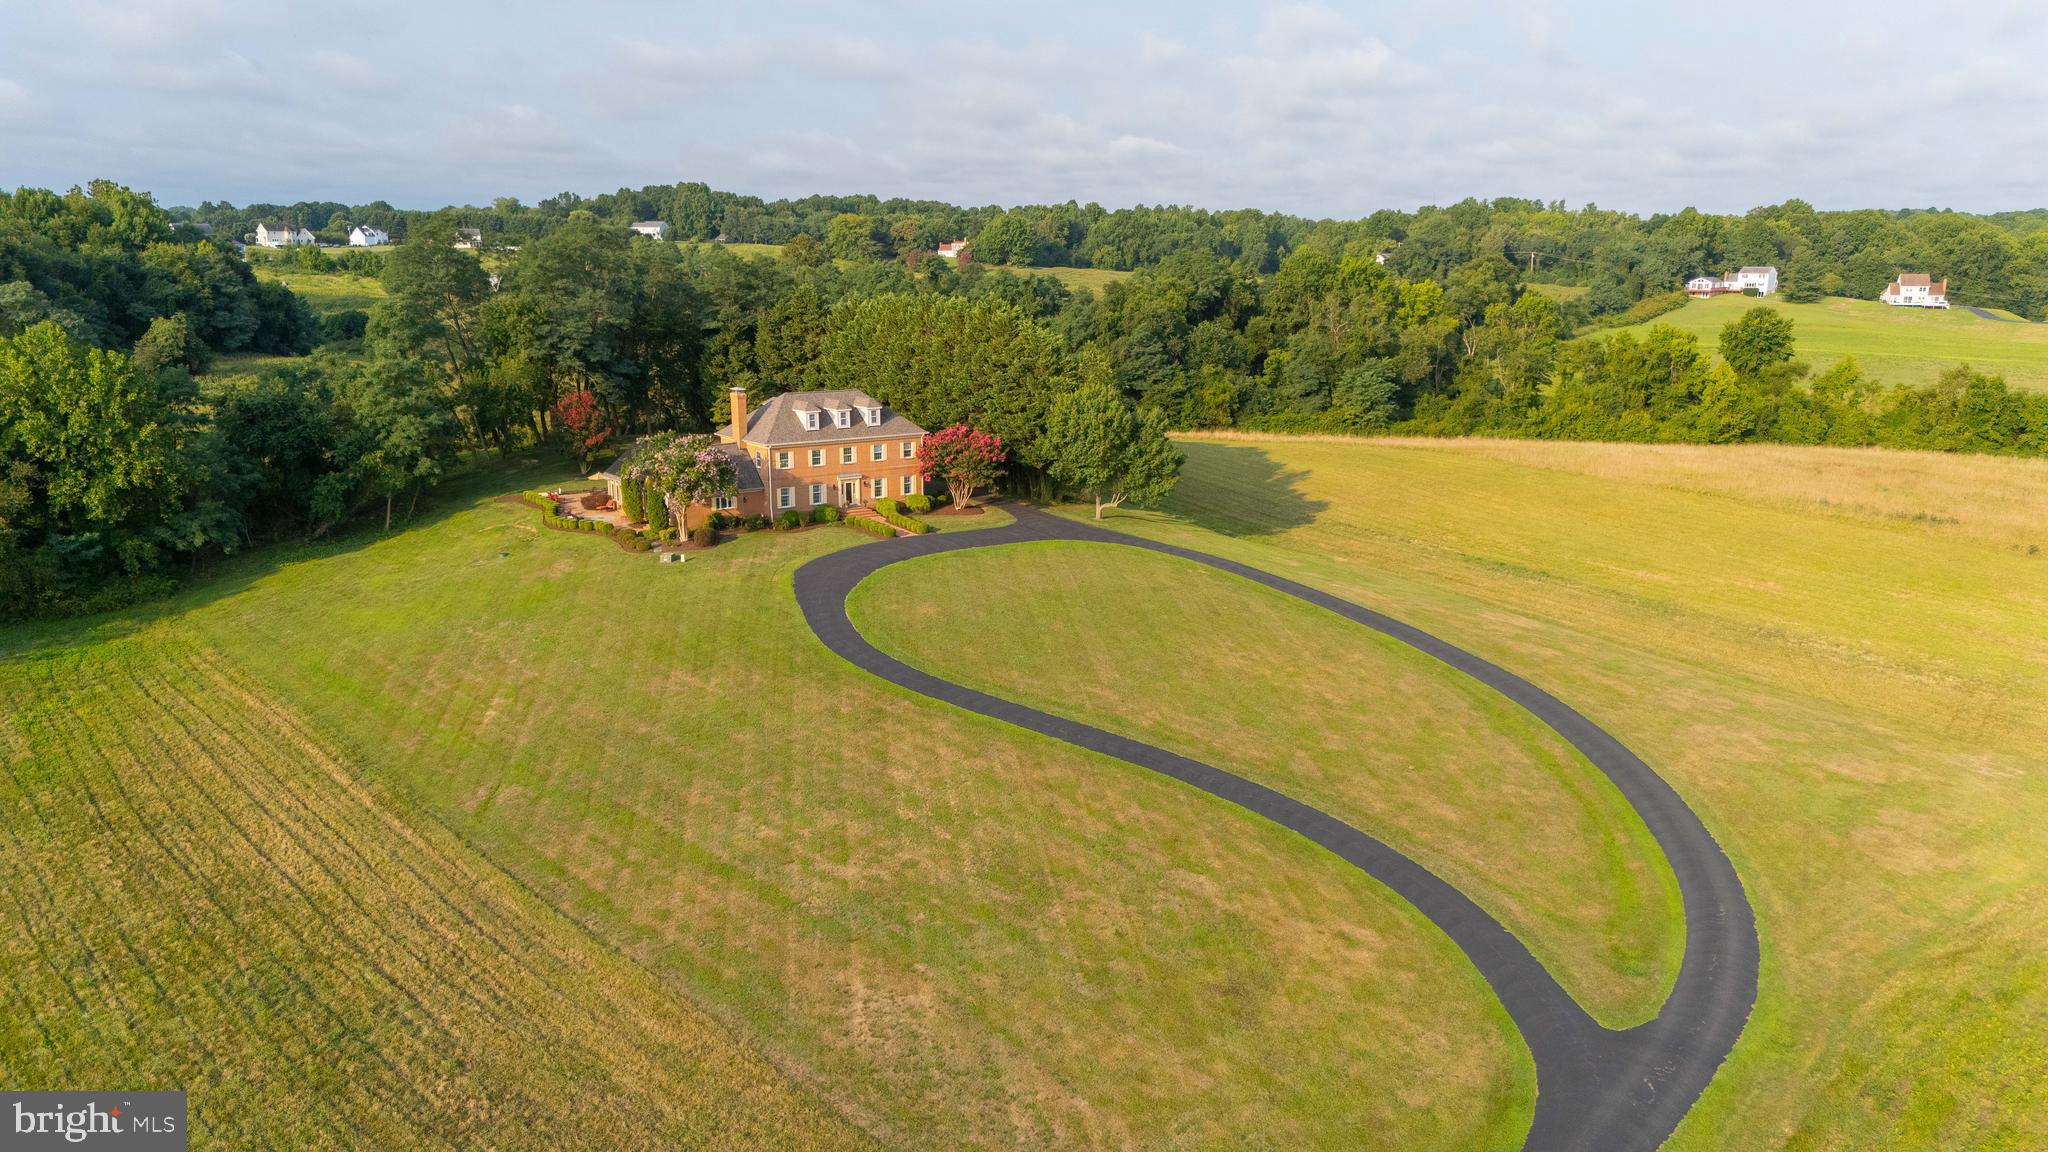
[{"x": 1323, "y": 109}]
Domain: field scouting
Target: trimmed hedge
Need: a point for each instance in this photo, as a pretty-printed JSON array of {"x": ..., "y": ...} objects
[
  {"x": 789, "y": 521},
  {"x": 542, "y": 501},
  {"x": 627, "y": 537},
  {"x": 824, "y": 514},
  {"x": 918, "y": 503},
  {"x": 907, "y": 523},
  {"x": 705, "y": 536},
  {"x": 872, "y": 528}
]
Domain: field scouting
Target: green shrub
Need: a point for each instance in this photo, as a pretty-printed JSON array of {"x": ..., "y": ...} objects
[
  {"x": 888, "y": 507},
  {"x": 633, "y": 501},
  {"x": 918, "y": 503},
  {"x": 824, "y": 514},
  {"x": 907, "y": 523},
  {"x": 541, "y": 501},
  {"x": 704, "y": 537},
  {"x": 756, "y": 522},
  {"x": 718, "y": 521},
  {"x": 873, "y": 528},
  {"x": 656, "y": 508},
  {"x": 789, "y": 521}
]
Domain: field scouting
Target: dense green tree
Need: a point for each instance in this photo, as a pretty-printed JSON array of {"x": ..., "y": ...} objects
[
  {"x": 1095, "y": 443},
  {"x": 943, "y": 360},
  {"x": 1757, "y": 342},
  {"x": 852, "y": 236}
]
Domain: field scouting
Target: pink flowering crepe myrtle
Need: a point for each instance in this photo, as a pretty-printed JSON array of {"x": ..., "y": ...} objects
[
  {"x": 964, "y": 458},
  {"x": 685, "y": 470}
]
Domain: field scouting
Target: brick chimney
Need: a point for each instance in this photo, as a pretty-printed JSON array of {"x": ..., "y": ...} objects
[{"x": 739, "y": 414}]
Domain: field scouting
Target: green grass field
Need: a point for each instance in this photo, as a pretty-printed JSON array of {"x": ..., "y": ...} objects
[
  {"x": 1897, "y": 345},
  {"x": 951, "y": 934},
  {"x": 1351, "y": 722},
  {"x": 327, "y": 292},
  {"x": 420, "y": 780},
  {"x": 1843, "y": 665},
  {"x": 204, "y": 894},
  {"x": 1076, "y": 279}
]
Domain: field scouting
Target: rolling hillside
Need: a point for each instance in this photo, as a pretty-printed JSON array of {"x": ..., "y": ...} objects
[{"x": 1898, "y": 345}]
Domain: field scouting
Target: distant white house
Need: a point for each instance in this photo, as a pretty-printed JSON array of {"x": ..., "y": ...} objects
[
  {"x": 281, "y": 236},
  {"x": 655, "y": 228},
  {"x": 953, "y": 249},
  {"x": 1763, "y": 278},
  {"x": 364, "y": 236},
  {"x": 1381, "y": 258},
  {"x": 469, "y": 238},
  {"x": 1916, "y": 290}
]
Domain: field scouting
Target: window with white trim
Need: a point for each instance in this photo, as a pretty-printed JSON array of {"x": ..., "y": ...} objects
[
  {"x": 843, "y": 417},
  {"x": 846, "y": 454},
  {"x": 909, "y": 449},
  {"x": 810, "y": 420},
  {"x": 785, "y": 497},
  {"x": 817, "y": 494},
  {"x": 878, "y": 452},
  {"x": 817, "y": 457},
  {"x": 881, "y": 488},
  {"x": 724, "y": 503},
  {"x": 782, "y": 459},
  {"x": 909, "y": 483},
  {"x": 872, "y": 416}
]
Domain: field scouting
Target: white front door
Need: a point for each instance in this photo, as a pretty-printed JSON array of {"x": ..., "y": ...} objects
[{"x": 849, "y": 492}]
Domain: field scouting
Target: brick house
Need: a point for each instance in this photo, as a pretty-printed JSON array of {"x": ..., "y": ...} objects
[{"x": 804, "y": 449}]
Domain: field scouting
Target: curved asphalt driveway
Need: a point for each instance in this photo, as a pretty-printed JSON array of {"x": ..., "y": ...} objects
[{"x": 1597, "y": 1090}]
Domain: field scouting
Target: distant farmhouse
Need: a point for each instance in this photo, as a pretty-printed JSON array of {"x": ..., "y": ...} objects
[
  {"x": 1916, "y": 290},
  {"x": 954, "y": 249},
  {"x": 655, "y": 228},
  {"x": 281, "y": 236},
  {"x": 364, "y": 236},
  {"x": 1763, "y": 278},
  {"x": 469, "y": 238}
]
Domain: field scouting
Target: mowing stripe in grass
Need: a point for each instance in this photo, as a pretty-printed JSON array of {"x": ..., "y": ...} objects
[{"x": 1622, "y": 1090}]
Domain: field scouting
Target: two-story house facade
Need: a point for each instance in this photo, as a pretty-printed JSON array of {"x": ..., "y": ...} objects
[
  {"x": 839, "y": 447},
  {"x": 801, "y": 450},
  {"x": 1916, "y": 290}
]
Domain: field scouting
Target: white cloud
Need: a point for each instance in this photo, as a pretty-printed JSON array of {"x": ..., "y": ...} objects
[{"x": 1303, "y": 106}]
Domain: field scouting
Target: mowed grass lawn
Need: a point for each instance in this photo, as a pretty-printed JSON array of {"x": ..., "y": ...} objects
[
  {"x": 202, "y": 893},
  {"x": 941, "y": 931},
  {"x": 1359, "y": 725},
  {"x": 1837, "y": 657},
  {"x": 1896, "y": 345}
]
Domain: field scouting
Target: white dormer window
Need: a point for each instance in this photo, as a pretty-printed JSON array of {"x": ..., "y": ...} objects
[
  {"x": 871, "y": 415},
  {"x": 842, "y": 417},
  {"x": 810, "y": 420}
]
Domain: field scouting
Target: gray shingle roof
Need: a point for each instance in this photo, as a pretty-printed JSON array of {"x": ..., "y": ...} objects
[
  {"x": 777, "y": 424},
  {"x": 743, "y": 467}
]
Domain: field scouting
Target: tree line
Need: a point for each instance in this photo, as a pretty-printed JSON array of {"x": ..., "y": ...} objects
[
  {"x": 1621, "y": 258},
  {"x": 123, "y": 455}
]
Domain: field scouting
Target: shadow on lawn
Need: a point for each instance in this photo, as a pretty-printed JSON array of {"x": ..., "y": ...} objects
[
  {"x": 1240, "y": 490},
  {"x": 222, "y": 577}
]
